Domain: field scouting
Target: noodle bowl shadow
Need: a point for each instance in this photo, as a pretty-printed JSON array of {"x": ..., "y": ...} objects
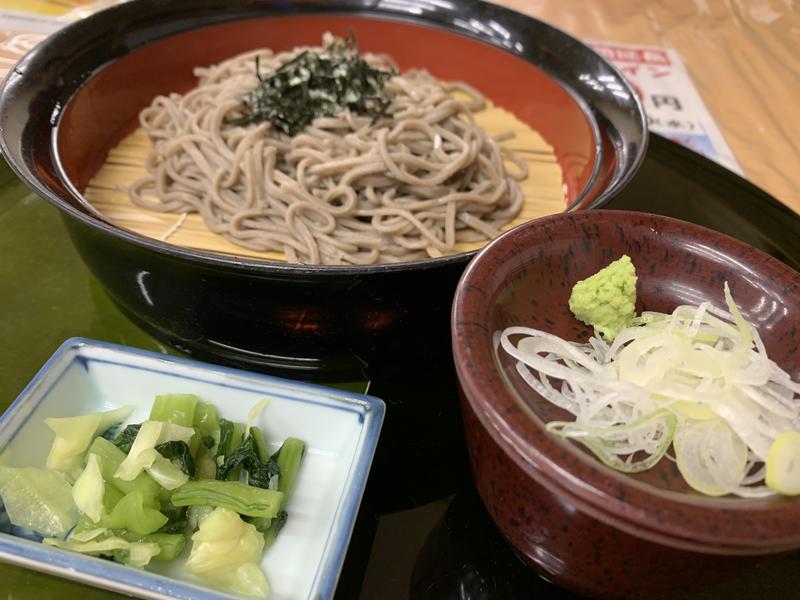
[
  {"x": 583, "y": 525},
  {"x": 76, "y": 95}
]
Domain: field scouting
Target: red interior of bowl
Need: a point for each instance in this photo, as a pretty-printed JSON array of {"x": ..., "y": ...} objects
[{"x": 106, "y": 108}]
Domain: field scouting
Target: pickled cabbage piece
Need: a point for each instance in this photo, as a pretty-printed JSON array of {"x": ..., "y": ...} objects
[
  {"x": 111, "y": 458},
  {"x": 136, "y": 554},
  {"x": 111, "y": 495},
  {"x": 143, "y": 454},
  {"x": 226, "y": 551},
  {"x": 170, "y": 544},
  {"x": 38, "y": 499},
  {"x": 167, "y": 474},
  {"x": 75, "y": 434},
  {"x": 89, "y": 489},
  {"x": 253, "y": 413}
]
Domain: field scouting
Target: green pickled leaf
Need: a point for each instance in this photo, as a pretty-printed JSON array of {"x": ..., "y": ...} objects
[
  {"x": 124, "y": 439},
  {"x": 178, "y": 409},
  {"x": 247, "y": 456},
  {"x": 289, "y": 458},
  {"x": 135, "y": 513},
  {"x": 170, "y": 544},
  {"x": 236, "y": 496},
  {"x": 130, "y": 553},
  {"x": 178, "y": 452}
]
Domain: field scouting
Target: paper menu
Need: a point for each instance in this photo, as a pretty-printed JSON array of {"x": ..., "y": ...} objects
[{"x": 673, "y": 106}]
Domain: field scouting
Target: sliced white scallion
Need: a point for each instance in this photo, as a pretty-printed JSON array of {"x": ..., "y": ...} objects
[
  {"x": 650, "y": 435},
  {"x": 699, "y": 379},
  {"x": 783, "y": 463}
]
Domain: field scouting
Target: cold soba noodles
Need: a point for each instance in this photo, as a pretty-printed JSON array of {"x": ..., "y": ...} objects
[{"x": 394, "y": 169}]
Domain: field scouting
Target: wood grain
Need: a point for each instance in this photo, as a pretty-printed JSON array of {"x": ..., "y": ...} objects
[{"x": 743, "y": 57}]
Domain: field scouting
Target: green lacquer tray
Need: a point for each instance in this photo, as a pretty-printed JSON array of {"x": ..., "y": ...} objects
[{"x": 46, "y": 296}]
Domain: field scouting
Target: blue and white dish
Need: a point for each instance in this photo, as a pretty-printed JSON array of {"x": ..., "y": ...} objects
[{"x": 340, "y": 430}]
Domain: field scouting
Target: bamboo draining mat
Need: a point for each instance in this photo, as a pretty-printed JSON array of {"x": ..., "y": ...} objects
[{"x": 543, "y": 190}]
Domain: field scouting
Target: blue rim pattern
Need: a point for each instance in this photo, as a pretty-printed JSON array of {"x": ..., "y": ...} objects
[{"x": 101, "y": 572}]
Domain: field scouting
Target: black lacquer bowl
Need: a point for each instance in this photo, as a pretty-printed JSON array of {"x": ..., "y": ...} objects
[{"x": 77, "y": 94}]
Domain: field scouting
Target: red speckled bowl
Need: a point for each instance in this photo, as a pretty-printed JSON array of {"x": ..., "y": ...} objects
[{"x": 583, "y": 525}]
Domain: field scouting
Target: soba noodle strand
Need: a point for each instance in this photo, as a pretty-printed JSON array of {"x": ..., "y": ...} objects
[{"x": 345, "y": 190}]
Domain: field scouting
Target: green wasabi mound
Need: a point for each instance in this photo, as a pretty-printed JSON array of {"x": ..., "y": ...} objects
[{"x": 607, "y": 299}]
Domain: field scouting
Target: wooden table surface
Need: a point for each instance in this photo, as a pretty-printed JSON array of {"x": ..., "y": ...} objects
[{"x": 742, "y": 55}]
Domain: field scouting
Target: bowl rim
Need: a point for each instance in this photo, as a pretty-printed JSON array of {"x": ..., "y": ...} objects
[
  {"x": 567, "y": 471},
  {"x": 124, "y": 13}
]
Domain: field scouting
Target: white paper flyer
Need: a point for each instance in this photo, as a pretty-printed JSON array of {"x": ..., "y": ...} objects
[{"x": 673, "y": 106}]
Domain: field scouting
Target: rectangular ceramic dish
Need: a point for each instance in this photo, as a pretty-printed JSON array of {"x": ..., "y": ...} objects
[{"x": 340, "y": 430}]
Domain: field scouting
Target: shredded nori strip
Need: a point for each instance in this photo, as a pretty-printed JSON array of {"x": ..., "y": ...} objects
[{"x": 317, "y": 84}]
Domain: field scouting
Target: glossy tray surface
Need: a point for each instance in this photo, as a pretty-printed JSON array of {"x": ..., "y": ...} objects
[{"x": 421, "y": 533}]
